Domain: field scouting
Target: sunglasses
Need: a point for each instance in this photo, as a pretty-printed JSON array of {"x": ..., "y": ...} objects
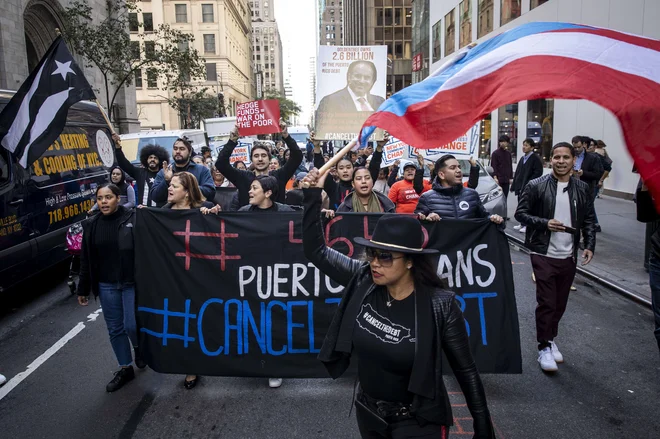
[{"x": 386, "y": 259}]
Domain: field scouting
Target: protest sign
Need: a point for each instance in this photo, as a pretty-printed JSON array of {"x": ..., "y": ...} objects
[
  {"x": 351, "y": 85},
  {"x": 463, "y": 147},
  {"x": 258, "y": 117},
  {"x": 225, "y": 296},
  {"x": 394, "y": 150},
  {"x": 242, "y": 152}
]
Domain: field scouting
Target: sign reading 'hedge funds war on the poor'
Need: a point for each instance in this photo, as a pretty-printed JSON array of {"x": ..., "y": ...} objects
[{"x": 258, "y": 117}]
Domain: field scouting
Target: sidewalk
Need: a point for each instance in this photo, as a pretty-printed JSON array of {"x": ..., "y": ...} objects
[{"x": 619, "y": 255}]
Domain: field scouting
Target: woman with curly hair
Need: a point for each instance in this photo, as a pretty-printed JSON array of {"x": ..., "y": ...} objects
[{"x": 151, "y": 157}]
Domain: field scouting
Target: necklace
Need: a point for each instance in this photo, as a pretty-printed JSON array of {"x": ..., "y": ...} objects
[{"x": 389, "y": 300}]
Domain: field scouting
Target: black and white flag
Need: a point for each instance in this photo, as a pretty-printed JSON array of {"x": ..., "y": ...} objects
[{"x": 37, "y": 113}]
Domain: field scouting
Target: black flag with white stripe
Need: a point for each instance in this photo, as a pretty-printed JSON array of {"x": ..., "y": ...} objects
[{"x": 37, "y": 113}]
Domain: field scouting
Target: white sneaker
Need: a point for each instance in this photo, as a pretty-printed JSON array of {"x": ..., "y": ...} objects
[
  {"x": 2, "y": 379},
  {"x": 559, "y": 358},
  {"x": 523, "y": 230},
  {"x": 518, "y": 227},
  {"x": 547, "y": 361},
  {"x": 274, "y": 383}
]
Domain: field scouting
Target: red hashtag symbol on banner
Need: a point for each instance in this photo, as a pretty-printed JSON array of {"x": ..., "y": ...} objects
[{"x": 223, "y": 257}]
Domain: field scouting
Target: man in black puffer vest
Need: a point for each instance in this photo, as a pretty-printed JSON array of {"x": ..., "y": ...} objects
[{"x": 449, "y": 198}]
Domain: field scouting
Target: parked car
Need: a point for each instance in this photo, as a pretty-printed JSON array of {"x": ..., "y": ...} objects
[
  {"x": 38, "y": 204},
  {"x": 489, "y": 191}
]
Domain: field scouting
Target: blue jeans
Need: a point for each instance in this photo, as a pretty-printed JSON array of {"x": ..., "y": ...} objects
[
  {"x": 118, "y": 303},
  {"x": 654, "y": 280}
]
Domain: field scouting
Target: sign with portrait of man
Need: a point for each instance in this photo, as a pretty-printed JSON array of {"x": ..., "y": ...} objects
[{"x": 351, "y": 85}]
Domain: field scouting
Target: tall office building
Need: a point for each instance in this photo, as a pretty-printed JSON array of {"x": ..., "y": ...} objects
[
  {"x": 331, "y": 18},
  {"x": 388, "y": 23},
  {"x": 222, "y": 37},
  {"x": 267, "y": 45}
]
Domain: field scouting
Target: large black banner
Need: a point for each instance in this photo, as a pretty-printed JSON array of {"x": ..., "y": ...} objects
[{"x": 234, "y": 295}]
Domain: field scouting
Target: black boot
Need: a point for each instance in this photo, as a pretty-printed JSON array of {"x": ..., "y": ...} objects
[
  {"x": 139, "y": 361},
  {"x": 122, "y": 376}
]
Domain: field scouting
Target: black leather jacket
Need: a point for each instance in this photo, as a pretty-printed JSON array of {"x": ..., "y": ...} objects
[
  {"x": 536, "y": 207},
  {"x": 456, "y": 202},
  {"x": 436, "y": 310}
]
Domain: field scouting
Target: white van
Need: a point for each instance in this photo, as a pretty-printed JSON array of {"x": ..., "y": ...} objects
[
  {"x": 300, "y": 135},
  {"x": 133, "y": 143}
]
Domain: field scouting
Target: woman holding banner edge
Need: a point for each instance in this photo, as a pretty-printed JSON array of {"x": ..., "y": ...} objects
[{"x": 398, "y": 317}]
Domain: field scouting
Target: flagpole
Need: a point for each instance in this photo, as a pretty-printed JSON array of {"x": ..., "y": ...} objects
[
  {"x": 337, "y": 157},
  {"x": 98, "y": 104}
]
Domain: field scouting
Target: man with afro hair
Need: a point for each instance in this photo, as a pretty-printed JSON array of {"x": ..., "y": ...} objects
[{"x": 151, "y": 157}]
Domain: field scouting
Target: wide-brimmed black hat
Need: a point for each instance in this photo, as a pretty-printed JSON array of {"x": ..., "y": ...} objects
[{"x": 397, "y": 233}]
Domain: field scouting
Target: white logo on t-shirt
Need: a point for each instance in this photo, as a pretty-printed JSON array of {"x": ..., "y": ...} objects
[{"x": 381, "y": 327}]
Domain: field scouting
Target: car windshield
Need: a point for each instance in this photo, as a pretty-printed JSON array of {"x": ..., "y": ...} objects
[
  {"x": 465, "y": 169},
  {"x": 165, "y": 142},
  {"x": 299, "y": 137}
]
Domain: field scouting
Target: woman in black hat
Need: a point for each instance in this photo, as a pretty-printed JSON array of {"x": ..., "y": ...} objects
[{"x": 397, "y": 317}]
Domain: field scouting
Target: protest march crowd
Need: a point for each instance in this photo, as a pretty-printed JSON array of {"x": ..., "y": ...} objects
[{"x": 401, "y": 391}]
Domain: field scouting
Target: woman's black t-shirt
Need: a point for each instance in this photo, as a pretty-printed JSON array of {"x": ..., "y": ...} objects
[{"x": 384, "y": 343}]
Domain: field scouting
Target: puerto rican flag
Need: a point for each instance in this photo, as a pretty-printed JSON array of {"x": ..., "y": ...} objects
[{"x": 615, "y": 70}]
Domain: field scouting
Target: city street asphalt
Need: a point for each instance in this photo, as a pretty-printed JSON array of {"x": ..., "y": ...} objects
[{"x": 607, "y": 388}]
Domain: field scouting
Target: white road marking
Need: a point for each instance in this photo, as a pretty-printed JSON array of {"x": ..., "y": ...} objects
[{"x": 15, "y": 381}]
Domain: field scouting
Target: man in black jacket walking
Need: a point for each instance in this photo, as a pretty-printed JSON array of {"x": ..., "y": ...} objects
[
  {"x": 556, "y": 208},
  {"x": 260, "y": 156},
  {"x": 529, "y": 167},
  {"x": 151, "y": 157},
  {"x": 449, "y": 198},
  {"x": 587, "y": 167}
]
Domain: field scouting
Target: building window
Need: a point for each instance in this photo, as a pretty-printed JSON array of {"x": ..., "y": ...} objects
[
  {"x": 152, "y": 78},
  {"x": 138, "y": 79},
  {"x": 465, "y": 15},
  {"x": 183, "y": 46},
  {"x": 181, "y": 13},
  {"x": 209, "y": 43},
  {"x": 508, "y": 124},
  {"x": 133, "y": 22},
  {"x": 436, "y": 41},
  {"x": 486, "y": 13},
  {"x": 207, "y": 13},
  {"x": 149, "y": 49},
  {"x": 211, "y": 73},
  {"x": 450, "y": 33},
  {"x": 510, "y": 11},
  {"x": 135, "y": 49},
  {"x": 148, "y": 22},
  {"x": 540, "y": 113},
  {"x": 536, "y": 3}
]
